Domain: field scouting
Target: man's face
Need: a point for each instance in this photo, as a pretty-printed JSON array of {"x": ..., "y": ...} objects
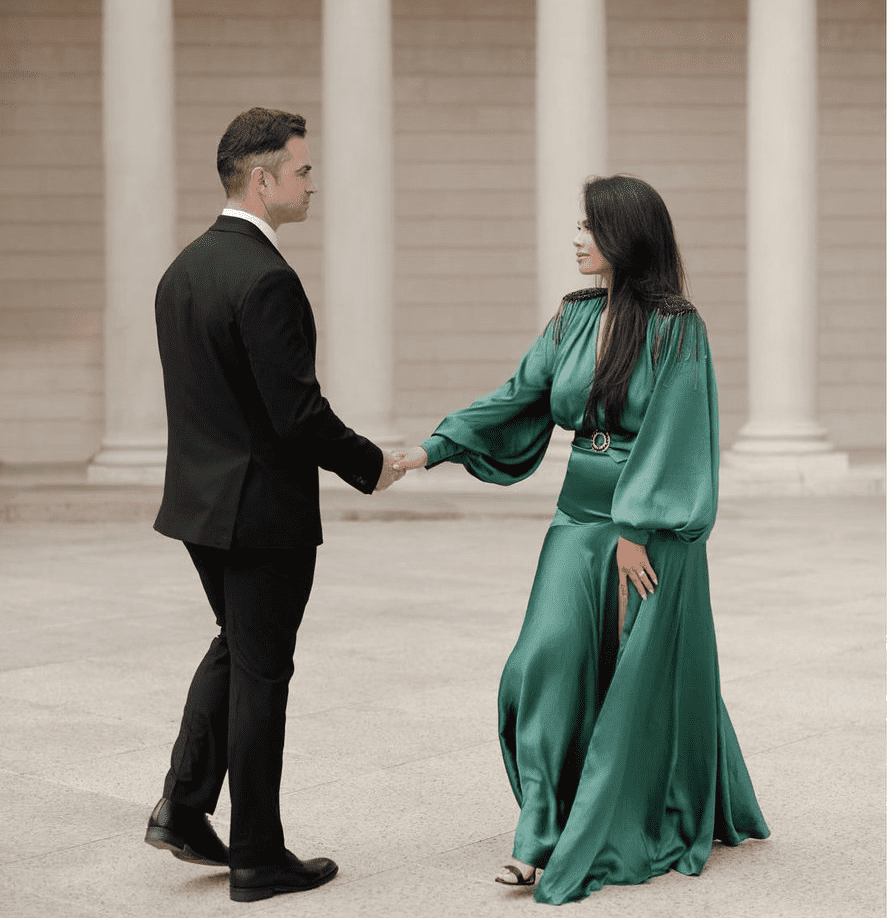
[{"x": 287, "y": 198}]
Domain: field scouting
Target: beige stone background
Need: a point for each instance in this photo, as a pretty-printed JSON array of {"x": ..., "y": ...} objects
[{"x": 465, "y": 257}]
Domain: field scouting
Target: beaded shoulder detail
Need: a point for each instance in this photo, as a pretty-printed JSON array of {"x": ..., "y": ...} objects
[
  {"x": 674, "y": 306},
  {"x": 587, "y": 293},
  {"x": 678, "y": 325},
  {"x": 559, "y": 322}
]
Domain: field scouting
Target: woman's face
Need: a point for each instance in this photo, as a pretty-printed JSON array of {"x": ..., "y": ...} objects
[{"x": 589, "y": 259}]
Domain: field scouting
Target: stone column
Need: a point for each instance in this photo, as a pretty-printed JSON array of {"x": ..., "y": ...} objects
[
  {"x": 358, "y": 206},
  {"x": 140, "y": 232},
  {"x": 782, "y": 438},
  {"x": 571, "y": 135},
  {"x": 572, "y": 127}
]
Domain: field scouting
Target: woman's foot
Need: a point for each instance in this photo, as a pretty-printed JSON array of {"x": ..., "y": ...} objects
[{"x": 518, "y": 874}]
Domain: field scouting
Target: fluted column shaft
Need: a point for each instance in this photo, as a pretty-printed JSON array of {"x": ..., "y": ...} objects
[
  {"x": 358, "y": 206},
  {"x": 140, "y": 231},
  {"x": 571, "y": 135},
  {"x": 782, "y": 230}
]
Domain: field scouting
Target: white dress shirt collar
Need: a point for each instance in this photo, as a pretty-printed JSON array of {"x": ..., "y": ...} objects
[{"x": 262, "y": 225}]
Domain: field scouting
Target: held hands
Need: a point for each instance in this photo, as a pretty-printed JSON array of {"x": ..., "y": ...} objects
[
  {"x": 395, "y": 463},
  {"x": 413, "y": 458},
  {"x": 390, "y": 471},
  {"x": 633, "y": 564}
]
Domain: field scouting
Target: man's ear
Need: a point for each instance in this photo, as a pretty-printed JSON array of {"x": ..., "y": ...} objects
[{"x": 259, "y": 180}]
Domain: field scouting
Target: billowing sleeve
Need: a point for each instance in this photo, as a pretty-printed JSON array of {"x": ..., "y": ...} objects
[
  {"x": 502, "y": 437},
  {"x": 670, "y": 480}
]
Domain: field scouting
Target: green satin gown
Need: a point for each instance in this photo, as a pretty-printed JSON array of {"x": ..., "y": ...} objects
[{"x": 622, "y": 758}]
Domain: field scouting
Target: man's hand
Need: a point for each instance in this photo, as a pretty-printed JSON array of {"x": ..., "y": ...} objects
[
  {"x": 413, "y": 458},
  {"x": 390, "y": 473}
]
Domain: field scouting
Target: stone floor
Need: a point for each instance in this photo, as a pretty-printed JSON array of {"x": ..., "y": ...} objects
[{"x": 392, "y": 765}]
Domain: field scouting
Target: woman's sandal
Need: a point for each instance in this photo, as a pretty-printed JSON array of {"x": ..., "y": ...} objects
[{"x": 519, "y": 878}]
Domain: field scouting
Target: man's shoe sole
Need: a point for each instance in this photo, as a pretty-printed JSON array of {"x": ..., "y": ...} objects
[
  {"x": 256, "y": 893},
  {"x": 165, "y": 840}
]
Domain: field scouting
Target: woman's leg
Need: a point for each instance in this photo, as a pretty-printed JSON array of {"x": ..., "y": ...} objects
[{"x": 554, "y": 682}]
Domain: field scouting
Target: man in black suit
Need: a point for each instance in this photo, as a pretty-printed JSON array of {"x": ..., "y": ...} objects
[{"x": 248, "y": 430}]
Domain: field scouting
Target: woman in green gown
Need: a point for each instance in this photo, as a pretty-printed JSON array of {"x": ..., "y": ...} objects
[{"x": 616, "y": 741}]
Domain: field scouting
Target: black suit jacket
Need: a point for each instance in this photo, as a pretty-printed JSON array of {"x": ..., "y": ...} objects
[{"x": 248, "y": 428}]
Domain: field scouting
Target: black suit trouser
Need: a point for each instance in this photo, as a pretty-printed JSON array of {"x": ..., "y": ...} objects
[{"x": 235, "y": 714}]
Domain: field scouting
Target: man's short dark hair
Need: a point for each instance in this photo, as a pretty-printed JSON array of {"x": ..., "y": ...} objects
[{"x": 255, "y": 138}]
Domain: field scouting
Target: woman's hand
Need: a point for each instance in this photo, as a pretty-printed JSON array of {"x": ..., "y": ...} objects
[
  {"x": 633, "y": 564},
  {"x": 390, "y": 472},
  {"x": 414, "y": 458}
]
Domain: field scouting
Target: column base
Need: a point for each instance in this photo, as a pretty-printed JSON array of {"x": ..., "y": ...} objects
[
  {"x": 795, "y": 437},
  {"x": 123, "y": 462},
  {"x": 779, "y": 474},
  {"x": 765, "y": 465},
  {"x": 790, "y": 457}
]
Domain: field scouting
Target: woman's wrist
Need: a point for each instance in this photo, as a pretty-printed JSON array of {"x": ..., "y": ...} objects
[{"x": 633, "y": 534}]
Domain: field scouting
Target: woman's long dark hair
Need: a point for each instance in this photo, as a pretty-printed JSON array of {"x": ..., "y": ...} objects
[{"x": 633, "y": 230}]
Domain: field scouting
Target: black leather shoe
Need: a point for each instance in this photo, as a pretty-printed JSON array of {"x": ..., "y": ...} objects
[
  {"x": 248, "y": 884},
  {"x": 186, "y": 833}
]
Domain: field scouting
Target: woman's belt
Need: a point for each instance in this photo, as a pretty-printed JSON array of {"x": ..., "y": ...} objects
[{"x": 601, "y": 441}]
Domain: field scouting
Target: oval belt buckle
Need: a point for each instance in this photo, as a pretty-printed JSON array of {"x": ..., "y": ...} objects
[{"x": 604, "y": 445}]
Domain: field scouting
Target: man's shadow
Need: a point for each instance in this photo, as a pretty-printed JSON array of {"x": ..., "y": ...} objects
[{"x": 208, "y": 881}]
